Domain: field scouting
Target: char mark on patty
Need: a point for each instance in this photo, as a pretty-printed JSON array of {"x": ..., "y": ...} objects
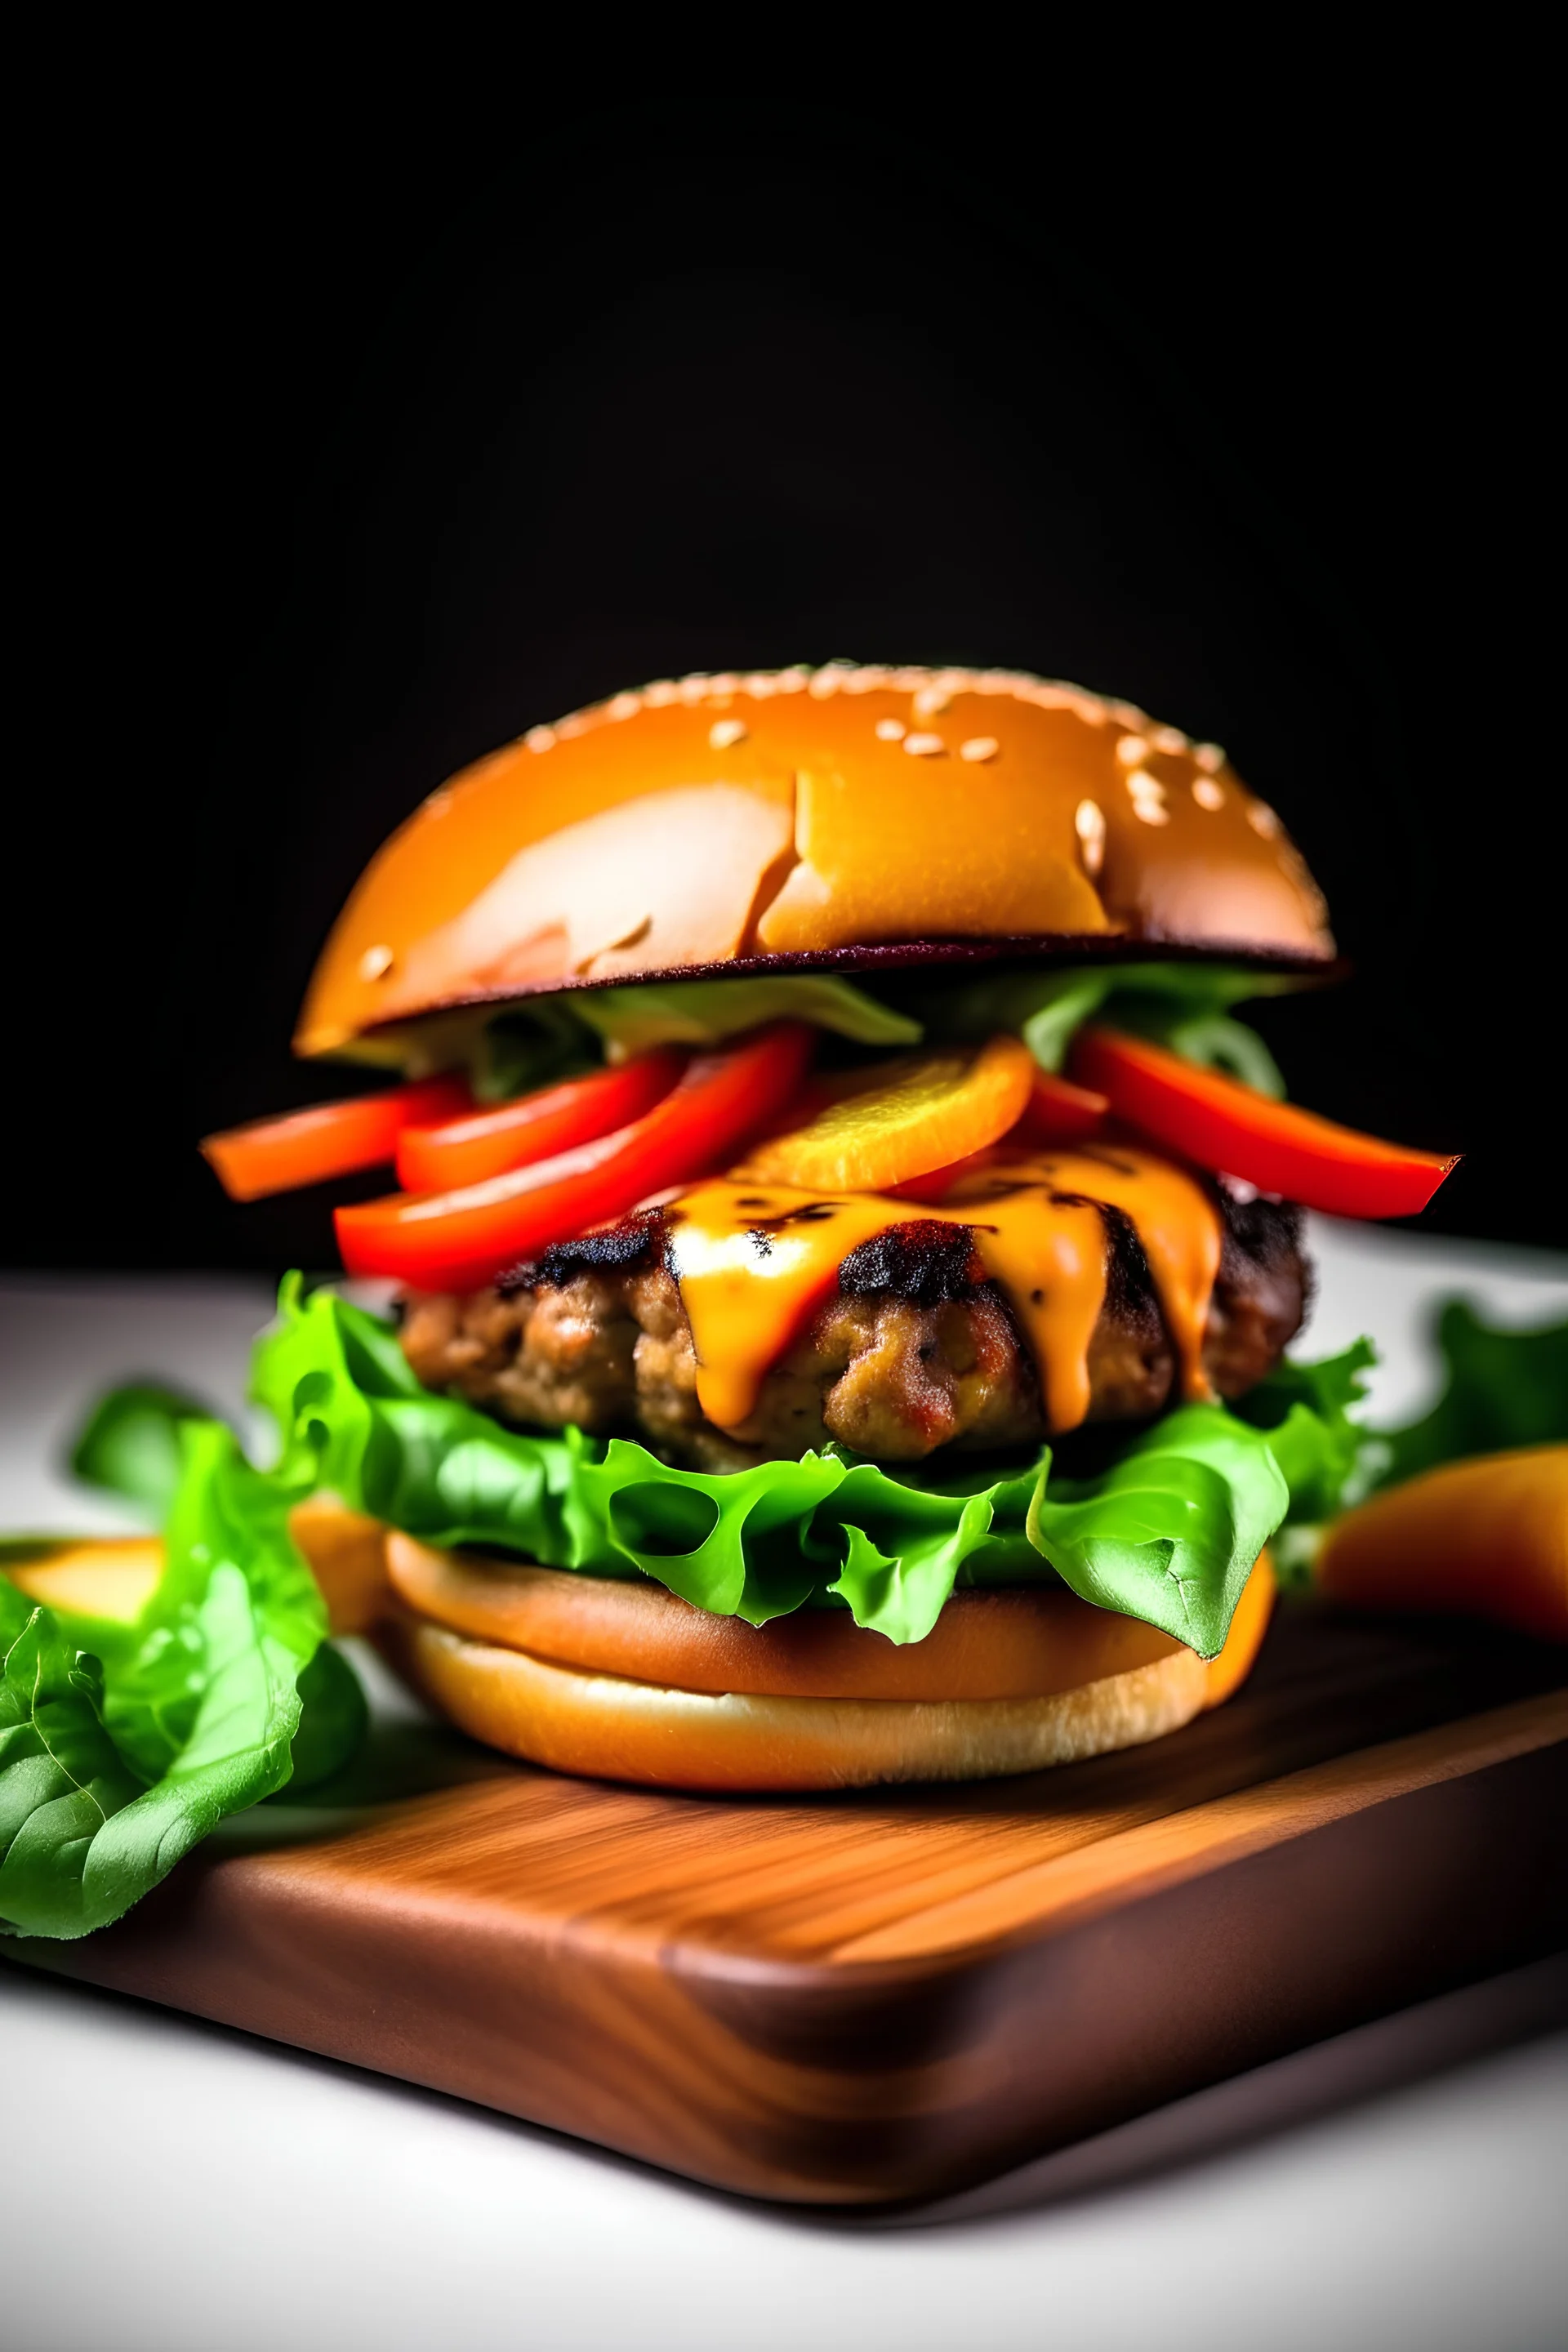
[
  {"x": 923, "y": 1261},
  {"x": 636, "y": 1241}
]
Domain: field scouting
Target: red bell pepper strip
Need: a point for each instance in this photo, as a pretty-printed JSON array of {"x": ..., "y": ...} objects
[
  {"x": 1060, "y": 1112},
  {"x": 534, "y": 1127},
  {"x": 1227, "y": 1126},
  {"x": 462, "y": 1239},
  {"x": 333, "y": 1138},
  {"x": 937, "y": 1182}
]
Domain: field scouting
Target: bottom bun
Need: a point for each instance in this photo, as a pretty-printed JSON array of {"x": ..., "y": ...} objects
[{"x": 608, "y": 1727}]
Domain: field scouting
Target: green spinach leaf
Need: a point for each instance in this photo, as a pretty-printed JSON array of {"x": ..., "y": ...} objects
[
  {"x": 129, "y": 1443},
  {"x": 109, "y": 1772},
  {"x": 1504, "y": 1388}
]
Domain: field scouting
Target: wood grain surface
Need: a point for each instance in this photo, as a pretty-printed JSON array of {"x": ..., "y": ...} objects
[{"x": 885, "y": 1996}]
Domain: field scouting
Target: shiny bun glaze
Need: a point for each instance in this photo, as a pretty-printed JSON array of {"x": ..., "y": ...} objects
[{"x": 800, "y": 819}]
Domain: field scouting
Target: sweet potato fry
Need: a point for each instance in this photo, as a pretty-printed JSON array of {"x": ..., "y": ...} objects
[{"x": 1486, "y": 1537}]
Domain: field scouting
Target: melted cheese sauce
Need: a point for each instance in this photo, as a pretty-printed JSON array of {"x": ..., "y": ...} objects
[{"x": 754, "y": 1262}]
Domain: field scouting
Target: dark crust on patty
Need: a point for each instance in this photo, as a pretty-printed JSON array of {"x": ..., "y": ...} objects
[
  {"x": 636, "y": 1241},
  {"x": 916, "y": 1350},
  {"x": 922, "y": 1260}
]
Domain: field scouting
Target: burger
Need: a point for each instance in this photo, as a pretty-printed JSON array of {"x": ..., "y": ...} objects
[{"x": 845, "y": 1241}]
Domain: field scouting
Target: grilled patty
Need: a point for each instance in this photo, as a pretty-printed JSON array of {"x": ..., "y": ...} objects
[{"x": 917, "y": 1349}]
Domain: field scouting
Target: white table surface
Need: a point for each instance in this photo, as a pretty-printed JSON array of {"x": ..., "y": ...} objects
[{"x": 173, "y": 2184}]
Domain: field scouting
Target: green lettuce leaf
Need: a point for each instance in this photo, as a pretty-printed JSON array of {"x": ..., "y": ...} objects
[
  {"x": 129, "y": 1443},
  {"x": 539, "y": 1043},
  {"x": 64, "y": 1785},
  {"x": 1165, "y": 1529},
  {"x": 223, "y": 1692},
  {"x": 1171, "y": 1530},
  {"x": 704, "y": 1011},
  {"x": 1184, "y": 1006},
  {"x": 544, "y": 1039},
  {"x": 1306, "y": 1411},
  {"x": 539, "y": 1040}
]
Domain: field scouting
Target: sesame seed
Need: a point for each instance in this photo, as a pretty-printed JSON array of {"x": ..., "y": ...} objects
[
  {"x": 1207, "y": 793},
  {"x": 662, "y": 693},
  {"x": 1262, "y": 820},
  {"x": 924, "y": 747},
  {"x": 931, "y": 701},
  {"x": 1089, "y": 824},
  {"x": 1128, "y": 714},
  {"x": 792, "y": 681},
  {"x": 979, "y": 747},
  {"x": 725, "y": 731},
  {"x": 438, "y": 803},
  {"x": 625, "y": 705},
  {"x": 824, "y": 681},
  {"x": 761, "y": 683},
  {"x": 1147, "y": 794},
  {"x": 539, "y": 739},
  {"x": 1132, "y": 751},
  {"x": 1209, "y": 756},
  {"x": 375, "y": 962},
  {"x": 695, "y": 688},
  {"x": 892, "y": 730},
  {"x": 1169, "y": 739},
  {"x": 725, "y": 683}
]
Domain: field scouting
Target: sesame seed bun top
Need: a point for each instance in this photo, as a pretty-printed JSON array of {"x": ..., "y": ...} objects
[{"x": 830, "y": 819}]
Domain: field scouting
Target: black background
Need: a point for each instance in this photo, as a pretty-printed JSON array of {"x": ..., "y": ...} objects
[{"x": 357, "y": 455}]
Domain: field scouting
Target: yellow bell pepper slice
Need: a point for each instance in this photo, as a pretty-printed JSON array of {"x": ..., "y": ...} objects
[{"x": 920, "y": 1112}]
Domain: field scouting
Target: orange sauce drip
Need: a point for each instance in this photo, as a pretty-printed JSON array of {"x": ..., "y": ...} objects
[
  {"x": 1167, "y": 1209},
  {"x": 753, "y": 1262}
]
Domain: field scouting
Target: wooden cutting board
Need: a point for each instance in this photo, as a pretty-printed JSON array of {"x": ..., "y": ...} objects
[{"x": 875, "y": 1996}]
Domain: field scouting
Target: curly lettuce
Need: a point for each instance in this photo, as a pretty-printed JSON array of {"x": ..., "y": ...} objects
[{"x": 1166, "y": 1530}]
